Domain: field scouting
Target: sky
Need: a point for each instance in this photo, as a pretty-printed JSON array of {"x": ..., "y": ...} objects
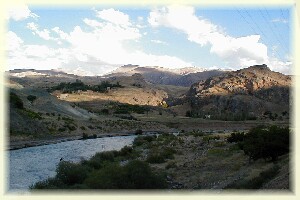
[{"x": 96, "y": 40}]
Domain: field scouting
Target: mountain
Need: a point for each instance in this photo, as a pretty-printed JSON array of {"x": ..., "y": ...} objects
[
  {"x": 247, "y": 93},
  {"x": 160, "y": 75}
]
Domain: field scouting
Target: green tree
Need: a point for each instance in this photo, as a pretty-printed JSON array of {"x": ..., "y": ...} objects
[{"x": 31, "y": 98}]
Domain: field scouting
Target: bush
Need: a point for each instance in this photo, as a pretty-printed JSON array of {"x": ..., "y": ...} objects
[
  {"x": 266, "y": 143},
  {"x": 125, "y": 151},
  {"x": 105, "y": 111},
  {"x": 171, "y": 164},
  {"x": 140, "y": 140},
  {"x": 85, "y": 136},
  {"x": 71, "y": 173},
  {"x": 32, "y": 114},
  {"x": 155, "y": 158},
  {"x": 257, "y": 182},
  {"x": 15, "y": 101},
  {"x": 31, "y": 98},
  {"x": 139, "y": 132},
  {"x": 62, "y": 129},
  {"x": 50, "y": 183},
  {"x": 141, "y": 176},
  {"x": 236, "y": 137},
  {"x": 160, "y": 156},
  {"x": 134, "y": 175}
]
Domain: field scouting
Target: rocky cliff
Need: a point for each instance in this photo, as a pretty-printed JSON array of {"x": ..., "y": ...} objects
[{"x": 251, "y": 92}]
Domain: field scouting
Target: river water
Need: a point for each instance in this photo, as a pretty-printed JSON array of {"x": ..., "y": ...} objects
[{"x": 29, "y": 165}]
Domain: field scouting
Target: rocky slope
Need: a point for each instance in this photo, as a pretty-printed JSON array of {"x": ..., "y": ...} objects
[{"x": 250, "y": 92}]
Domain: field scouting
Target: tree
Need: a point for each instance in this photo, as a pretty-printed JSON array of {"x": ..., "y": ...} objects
[
  {"x": 266, "y": 143},
  {"x": 31, "y": 98}
]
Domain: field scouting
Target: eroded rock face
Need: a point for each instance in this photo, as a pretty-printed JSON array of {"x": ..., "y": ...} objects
[{"x": 251, "y": 90}]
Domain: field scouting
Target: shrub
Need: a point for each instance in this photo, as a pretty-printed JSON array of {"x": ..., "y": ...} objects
[
  {"x": 71, "y": 128},
  {"x": 62, "y": 129},
  {"x": 141, "y": 176},
  {"x": 100, "y": 159},
  {"x": 105, "y": 111},
  {"x": 32, "y": 114},
  {"x": 109, "y": 177},
  {"x": 50, "y": 183},
  {"x": 125, "y": 151},
  {"x": 139, "y": 132},
  {"x": 138, "y": 141},
  {"x": 160, "y": 156},
  {"x": 171, "y": 164},
  {"x": 85, "y": 136},
  {"x": 134, "y": 175},
  {"x": 236, "y": 137},
  {"x": 188, "y": 113},
  {"x": 155, "y": 158},
  {"x": 15, "y": 101},
  {"x": 257, "y": 182},
  {"x": 266, "y": 143},
  {"x": 31, "y": 98},
  {"x": 71, "y": 173}
]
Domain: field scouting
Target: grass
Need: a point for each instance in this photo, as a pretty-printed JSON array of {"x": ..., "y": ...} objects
[{"x": 256, "y": 182}]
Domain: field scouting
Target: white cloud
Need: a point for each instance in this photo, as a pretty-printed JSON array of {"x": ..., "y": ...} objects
[
  {"x": 13, "y": 41},
  {"x": 44, "y": 34},
  {"x": 159, "y": 42},
  {"x": 102, "y": 49},
  {"x": 21, "y": 55},
  {"x": 280, "y": 20},
  {"x": 114, "y": 16},
  {"x": 279, "y": 66},
  {"x": 96, "y": 48},
  {"x": 38, "y": 51},
  {"x": 236, "y": 52},
  {"x": 20, "y": 12}
]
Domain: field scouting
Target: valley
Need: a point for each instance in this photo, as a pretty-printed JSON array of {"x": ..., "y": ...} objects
[{"x": 47, "y": 107}]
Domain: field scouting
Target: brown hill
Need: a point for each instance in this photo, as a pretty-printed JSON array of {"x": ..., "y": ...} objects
[{"x": 252, "y": 92}]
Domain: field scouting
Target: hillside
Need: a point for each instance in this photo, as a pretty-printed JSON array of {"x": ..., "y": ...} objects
[
  {"x": 247, "y": 93},
  {"x": 101, "y": 108},
  {"x": 159, "y": 75}
]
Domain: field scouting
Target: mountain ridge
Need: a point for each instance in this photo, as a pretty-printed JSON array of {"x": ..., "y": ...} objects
[{"x": 253, "y": 90}]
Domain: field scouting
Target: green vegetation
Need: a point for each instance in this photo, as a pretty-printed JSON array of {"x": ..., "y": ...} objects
[
  {"x": 140, "y": 140},
  {"x": 160, "y": 155},
  {"x": 31, "y": 98},
  {"x": 262, "y": 142},
  {"x": 15, "y": 100},
  {"x": 139, "y": 132},
  {"x": 130, "y": 168},
  {"x": 79, "y": 85},
  {"x": 32, "y": 114},
  {"x": 257, "y": 182},
  {"x": 104, "y": 171},
  {"x": 128, "y": 108},
  {"x": 236, "y": 137}
]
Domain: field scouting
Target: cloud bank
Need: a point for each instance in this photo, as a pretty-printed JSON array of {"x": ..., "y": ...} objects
[{"x": 111, "y": 39}]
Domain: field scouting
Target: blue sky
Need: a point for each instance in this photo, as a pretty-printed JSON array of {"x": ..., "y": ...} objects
[{"x": 96, "y": 40}]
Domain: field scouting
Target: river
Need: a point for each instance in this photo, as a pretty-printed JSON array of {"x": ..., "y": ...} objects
[{"x": 29, "y": 165}]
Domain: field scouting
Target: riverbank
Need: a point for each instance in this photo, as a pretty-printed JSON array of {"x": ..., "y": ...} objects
[
  {"x": 14, "y": 145},
  {"x": 25, "y": 143}
]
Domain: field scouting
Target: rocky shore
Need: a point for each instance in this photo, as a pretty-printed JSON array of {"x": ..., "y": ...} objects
[{"x": 14, "y": 145}]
